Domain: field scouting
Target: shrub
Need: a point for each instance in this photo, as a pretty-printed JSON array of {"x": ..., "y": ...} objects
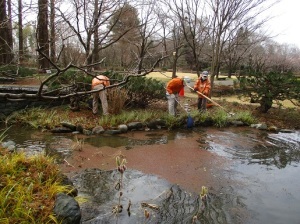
[
  {"x": 14, "y": 70},
  {"x": 141, "y": 90},
  {"x": 267, "y": 87},
  {"x": 69, "y": 77}
]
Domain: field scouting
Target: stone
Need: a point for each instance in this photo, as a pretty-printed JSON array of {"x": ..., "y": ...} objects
[
  {"x": 286, "y": 131},
  {"x": 79, "y": 128},
  {"x": 259, "y": 126},
  {"x": 67, "y": 209},
  {"x": 262, "y": 126},
  {"x": 112, "y": 132},
  {"x": 98, "y": 130},
  {"x": 237, "y": 123},
  {"x": 123, "y": 128},
  {"x": 135, "y": 126},
  {"x": 68, "y": 125},
  {"x": 61, "y": 130},
  {"x": 273, "y": 128},
  {"x": 87, "y": 132},
  {"x": 8, "y": 144}
]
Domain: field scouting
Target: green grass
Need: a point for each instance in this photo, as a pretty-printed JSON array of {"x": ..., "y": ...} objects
[
  {"x": 43, "y": 118},
  {"x": 246, "y": 117},
  {"x": 220, "y": 118},
  {"x": 129, "y": 116}
]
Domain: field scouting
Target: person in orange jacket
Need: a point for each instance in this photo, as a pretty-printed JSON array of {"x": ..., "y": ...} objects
[
  {"x": 99, "y": 83},
  {"x": 203, "y": 86},
  {"x": 173, "y": 88}
]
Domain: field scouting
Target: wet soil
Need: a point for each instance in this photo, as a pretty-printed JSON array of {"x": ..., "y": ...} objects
[{"x": 188, "y": 165}]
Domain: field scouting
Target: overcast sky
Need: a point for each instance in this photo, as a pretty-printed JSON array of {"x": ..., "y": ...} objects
[{"x": 286, "y": 22}]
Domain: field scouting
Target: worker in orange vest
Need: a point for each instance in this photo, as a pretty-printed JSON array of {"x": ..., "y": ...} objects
[
  {"x": 99, "y": 83},
  {"x": 203, "y": 86},
  {"x": 173, "y": 88}
]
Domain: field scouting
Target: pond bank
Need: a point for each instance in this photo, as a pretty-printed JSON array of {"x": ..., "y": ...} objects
[{"x": 226, "y": 160}]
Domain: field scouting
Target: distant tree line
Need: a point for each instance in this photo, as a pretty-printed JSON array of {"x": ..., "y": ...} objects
[{"x": 215, "y": 35}]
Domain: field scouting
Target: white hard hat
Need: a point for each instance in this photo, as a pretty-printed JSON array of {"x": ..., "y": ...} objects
[{"x": 205, "y": 73}]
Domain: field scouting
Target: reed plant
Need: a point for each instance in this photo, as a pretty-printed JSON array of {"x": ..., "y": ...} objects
[{"x": 117, "y": 98}]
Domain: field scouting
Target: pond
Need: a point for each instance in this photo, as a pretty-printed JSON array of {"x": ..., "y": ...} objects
[{"x": 251, "y": 175}]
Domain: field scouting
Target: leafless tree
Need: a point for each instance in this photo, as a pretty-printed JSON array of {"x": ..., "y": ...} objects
[
  {"x": 238, "y": 48},
  {"x": 146, "y": 30},
  {"x": 191, "y": 19},
  {"x": 228, "y": 17},
  {"x": 70, "y": 90},
  {"x": 85, "y": 19}
]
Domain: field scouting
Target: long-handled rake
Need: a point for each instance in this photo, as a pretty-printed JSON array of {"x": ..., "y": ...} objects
[{"x": 214, "y": 102}]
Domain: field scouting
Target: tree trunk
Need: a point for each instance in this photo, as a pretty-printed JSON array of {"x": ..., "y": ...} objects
[
  {"x": 9, "y": 34},
  {"x": 20, "y": 17},
  {"x": 265, "y": 104},
  {"x": 174, "y": 67},
  {"x": 96, "y": 36},
  {"x": 42, "y": 33},
  {"x": 5, "y": 51},
  {"x": 52, "y": 31}
]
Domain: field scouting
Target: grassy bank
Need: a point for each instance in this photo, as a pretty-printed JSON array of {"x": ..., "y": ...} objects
[
  {"x": 28, "y": 187},
  {"x": 50, "y": 118}
]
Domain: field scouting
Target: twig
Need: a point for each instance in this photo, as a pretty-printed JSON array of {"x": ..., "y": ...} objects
[{"x": 69, "y": 163}]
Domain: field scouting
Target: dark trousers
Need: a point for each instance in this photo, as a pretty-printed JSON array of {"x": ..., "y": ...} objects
[{"x": 202, "y": 104}]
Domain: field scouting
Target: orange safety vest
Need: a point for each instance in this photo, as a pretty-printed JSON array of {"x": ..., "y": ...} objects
[
  {"x": 100, "y": 79},
  {"x": 202, "y": 87},
  {"x": 174, "y": 85}
]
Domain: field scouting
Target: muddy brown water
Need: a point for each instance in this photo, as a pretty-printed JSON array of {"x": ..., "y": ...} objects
[{"x": 254, "y": 174}]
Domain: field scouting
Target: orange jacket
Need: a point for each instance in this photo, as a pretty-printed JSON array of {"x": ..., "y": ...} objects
[
  {"x": 174, "y": 85},
  {"x": 100, "y": 79},
  {"x": 202, "y": 86}
]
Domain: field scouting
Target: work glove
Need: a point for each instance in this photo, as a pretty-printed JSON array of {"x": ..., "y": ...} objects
[{"x": 172, "y": 96}]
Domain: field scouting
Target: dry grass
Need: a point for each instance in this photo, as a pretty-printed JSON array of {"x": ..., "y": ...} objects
[{"x": 164, "y": 76}]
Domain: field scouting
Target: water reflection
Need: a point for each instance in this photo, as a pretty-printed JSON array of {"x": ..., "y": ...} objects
[
  {"x": 171, "y": 203},
  {"x": 249, "y": 147},
  {"x": 130, "y": 140}
]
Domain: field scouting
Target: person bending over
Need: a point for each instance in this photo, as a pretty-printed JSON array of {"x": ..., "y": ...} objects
[
  {"x": 173, "y": 88},
  {"x": 99, "y": 83}
]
